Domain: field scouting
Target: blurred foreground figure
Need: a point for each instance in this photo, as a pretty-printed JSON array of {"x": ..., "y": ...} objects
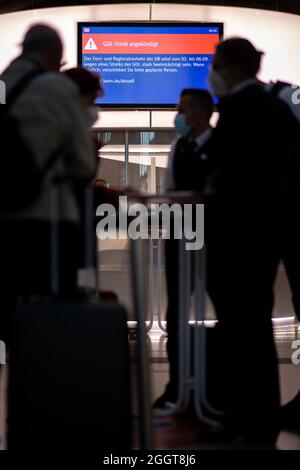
[
  {"x": 247, "y": 150},
  {"x": 51, "y": 121},
  {"x": 90, "y": 89},
  {"x": 289, "y": 249}
]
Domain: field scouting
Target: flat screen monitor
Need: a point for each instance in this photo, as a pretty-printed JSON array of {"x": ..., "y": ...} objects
[{"x": 146, "y": 65}]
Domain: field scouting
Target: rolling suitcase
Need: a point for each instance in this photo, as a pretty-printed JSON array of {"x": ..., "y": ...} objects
[{"x": 69, "y": 380}]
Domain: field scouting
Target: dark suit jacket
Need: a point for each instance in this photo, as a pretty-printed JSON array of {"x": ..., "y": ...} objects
[
  {"x": 247, "y": 146},
  {"x": 190, "y": 166}
]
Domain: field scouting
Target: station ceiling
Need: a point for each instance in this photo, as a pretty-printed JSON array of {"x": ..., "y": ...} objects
[{"x": 290, "y": 6}]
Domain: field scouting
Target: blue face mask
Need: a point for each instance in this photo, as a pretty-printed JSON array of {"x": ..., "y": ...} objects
[{"x": 181, "y": 125}]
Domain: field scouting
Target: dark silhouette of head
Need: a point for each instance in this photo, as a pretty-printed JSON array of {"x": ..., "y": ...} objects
[
  {"x": 45, "y": 43},
  {"x": 89, "y": 84},
  {"x": 197, "y": 106},
  {"x": 236, "y": 60}
]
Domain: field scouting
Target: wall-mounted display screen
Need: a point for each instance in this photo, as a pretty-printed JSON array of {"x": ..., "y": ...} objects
[{"x": 147, "y": 65}]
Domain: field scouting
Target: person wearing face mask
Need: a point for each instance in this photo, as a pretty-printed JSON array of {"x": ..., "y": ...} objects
[
  {"x": 246, "y": 151},
  {"x": 48, "y": 112},
  {"x": 289, "y": 253},
  {"x": 90, "y": 89},
  {"x": 187, "y": 167},
  {"x": 234, "y": 68},
  {"x": 192, "y": 124}
]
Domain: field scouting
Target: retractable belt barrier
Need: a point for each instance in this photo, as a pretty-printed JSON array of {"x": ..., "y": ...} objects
[{"x": 188, "y": 382}]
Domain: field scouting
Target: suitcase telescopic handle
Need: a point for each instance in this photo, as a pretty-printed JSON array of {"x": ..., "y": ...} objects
[
  {"x": 54, "y": 240},
  {"x": 89, "y": 232}
]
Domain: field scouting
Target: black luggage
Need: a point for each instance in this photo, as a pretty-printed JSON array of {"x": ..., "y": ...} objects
[
  {"x": 69, "y": 380},
  {"x": 69, "y": 377}
]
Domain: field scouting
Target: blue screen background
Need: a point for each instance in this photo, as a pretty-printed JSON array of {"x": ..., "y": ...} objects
[{"x": 153, "y": 88}]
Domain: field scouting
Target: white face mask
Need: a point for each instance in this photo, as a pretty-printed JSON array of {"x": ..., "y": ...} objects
[
  {"x": 92, "y": 114},
  {"x": 217, "y": 84}
]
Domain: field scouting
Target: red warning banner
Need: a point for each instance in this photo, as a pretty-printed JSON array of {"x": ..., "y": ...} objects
[{"x": 149, "y": 43}]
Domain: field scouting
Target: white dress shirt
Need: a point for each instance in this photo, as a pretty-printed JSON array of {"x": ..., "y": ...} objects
[{"x": 200, "y": 140}]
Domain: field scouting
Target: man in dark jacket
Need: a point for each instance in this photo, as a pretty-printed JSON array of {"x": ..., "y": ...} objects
[{"x": 246, "y": 151}]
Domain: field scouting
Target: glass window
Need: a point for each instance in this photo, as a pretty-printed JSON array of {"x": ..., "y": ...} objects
[
  {"x": 112, "y": 158},
  {"x": 148, "y": 159},
  {"x": 137, "y": 159}
]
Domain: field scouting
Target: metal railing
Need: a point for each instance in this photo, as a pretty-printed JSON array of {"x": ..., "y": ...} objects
[{"x": 188, "y": 381}]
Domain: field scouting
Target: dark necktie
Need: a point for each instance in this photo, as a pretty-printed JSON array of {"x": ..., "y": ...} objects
[{"x": 192, "y": 146}]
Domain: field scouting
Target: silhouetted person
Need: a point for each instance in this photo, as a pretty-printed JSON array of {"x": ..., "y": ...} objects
[
  {"x": 90, "y": 89},
  {"x": 289, "y": 249},
  {"x": 52, "y": 121},
  {"x": 290, "y": 195},
  {"x": 187, "y": 168},
  {"x": 246, "y": 149}
]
